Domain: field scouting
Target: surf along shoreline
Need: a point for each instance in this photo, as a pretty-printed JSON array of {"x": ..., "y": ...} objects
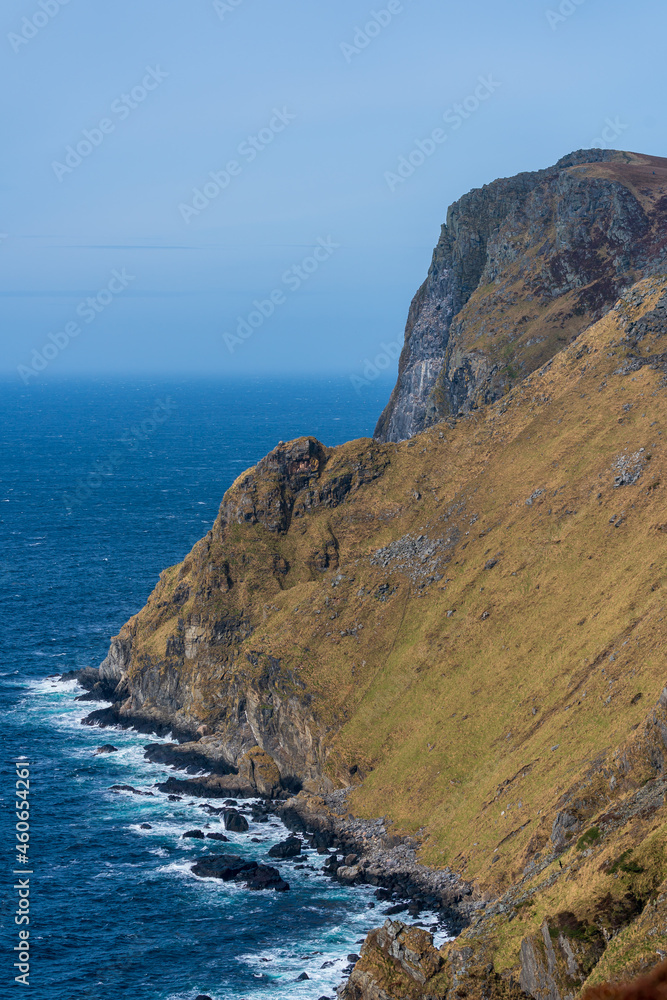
[{"x": 358, "y": 852}]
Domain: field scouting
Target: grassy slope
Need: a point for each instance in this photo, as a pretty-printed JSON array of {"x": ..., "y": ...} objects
[
  {"x": 449, "y": 717},
  {"x": 469, "y": 727}
]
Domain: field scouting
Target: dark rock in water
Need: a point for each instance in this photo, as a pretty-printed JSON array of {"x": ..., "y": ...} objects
[
  {"x": 102, "y": 717},
  {"x": 266, "y": 877},
  {"x": 202, "y": 996},
  {"x": 185, "y": 757},
  {"x": 327, "y": 965},
  {"x": 302, "y": 978},
  {"x": 234, "y": 821},
  {"x": 353, "y": 959},
  {"x": 289, "y": 848},
  {"x": 211, "y": 810},
  {"x": 230, "y": 802},
  {"x": 129, "y": 788},
  {"x": 325, "y": 998},
  {"x": 146, "y": 826},
  {"x": 231, "y": 868},
  {"x": 217, "y": 836},
  {"x": 174, "y": 798},
  {"x": 196, "y": 834},
  {"x": 225, "y": 866},
  {"x": 107, "y": 748},
  {"x": 398, "y": 908}
]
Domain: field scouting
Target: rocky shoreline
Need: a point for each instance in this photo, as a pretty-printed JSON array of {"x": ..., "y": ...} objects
[{"x": 359, "y": 852}]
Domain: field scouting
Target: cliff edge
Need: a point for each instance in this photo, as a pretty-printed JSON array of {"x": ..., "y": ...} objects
[
  {"x": 456, "y": 641},
  {"x": 523, "y": 265}
]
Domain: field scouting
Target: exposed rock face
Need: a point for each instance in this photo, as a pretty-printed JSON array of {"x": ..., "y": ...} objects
[
  {"x": 396, "y": 962},
  {"x": 206, "y": 677},
  {"x": 556, "y": 961},
  {"x": 523, "y": 265},
  {"x": 261, "y": 771},
  {"x": 451, "y": 652}
]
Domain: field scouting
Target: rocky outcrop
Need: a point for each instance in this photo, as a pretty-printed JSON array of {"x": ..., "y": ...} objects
[
  {"x": 523, "y": 265},
  {"x": 397, "y": 963},
  {"x": 231, "y": 868},
  {"x": 557, "y": 960},
  {"x": 206, "y": 678},
  {"x": 447, "y": 656}
]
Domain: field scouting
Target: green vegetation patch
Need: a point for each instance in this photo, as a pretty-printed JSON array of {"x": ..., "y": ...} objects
[{"x": 590, "y": 837}]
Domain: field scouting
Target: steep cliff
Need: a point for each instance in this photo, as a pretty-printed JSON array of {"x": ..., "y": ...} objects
[
  {"x": 458, "y": 639},
  {"x": 523, "y": 265}
]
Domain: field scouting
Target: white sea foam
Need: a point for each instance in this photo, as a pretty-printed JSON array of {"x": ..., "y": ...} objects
[{"x": 273, "y": 972}]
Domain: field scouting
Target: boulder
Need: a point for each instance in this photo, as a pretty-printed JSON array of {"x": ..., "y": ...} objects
[
  {"x": 107, "y": 748},
  {"x": 224, "y": 866},
  {"x": 231, "y": 868},
  {"x": 217, "y": 836},
  {"x": 345, "y": 874},
  {"x": 234, "y": 821},
  {"x": 195, "y": 834},
  {"x": 266, "y": 877},
  {"x": 289, "y": 848}
]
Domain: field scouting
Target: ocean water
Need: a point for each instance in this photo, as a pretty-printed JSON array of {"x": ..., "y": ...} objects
[{"x": 103, "y": 484}]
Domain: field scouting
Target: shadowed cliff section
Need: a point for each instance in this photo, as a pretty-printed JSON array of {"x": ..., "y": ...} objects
[{"x": 523, "y": 265}]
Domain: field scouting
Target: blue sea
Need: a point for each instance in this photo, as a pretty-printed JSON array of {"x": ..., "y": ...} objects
[{"x": 103, "y": 484}]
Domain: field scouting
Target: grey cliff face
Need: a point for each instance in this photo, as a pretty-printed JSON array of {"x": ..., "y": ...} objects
[{"x": 524, "y": 265}]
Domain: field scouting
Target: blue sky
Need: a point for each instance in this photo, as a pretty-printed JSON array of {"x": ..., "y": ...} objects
[{"x": 312, "y": 242}]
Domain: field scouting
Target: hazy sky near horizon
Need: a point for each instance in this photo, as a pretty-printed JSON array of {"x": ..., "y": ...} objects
[{"x": 220, "y": 177}]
